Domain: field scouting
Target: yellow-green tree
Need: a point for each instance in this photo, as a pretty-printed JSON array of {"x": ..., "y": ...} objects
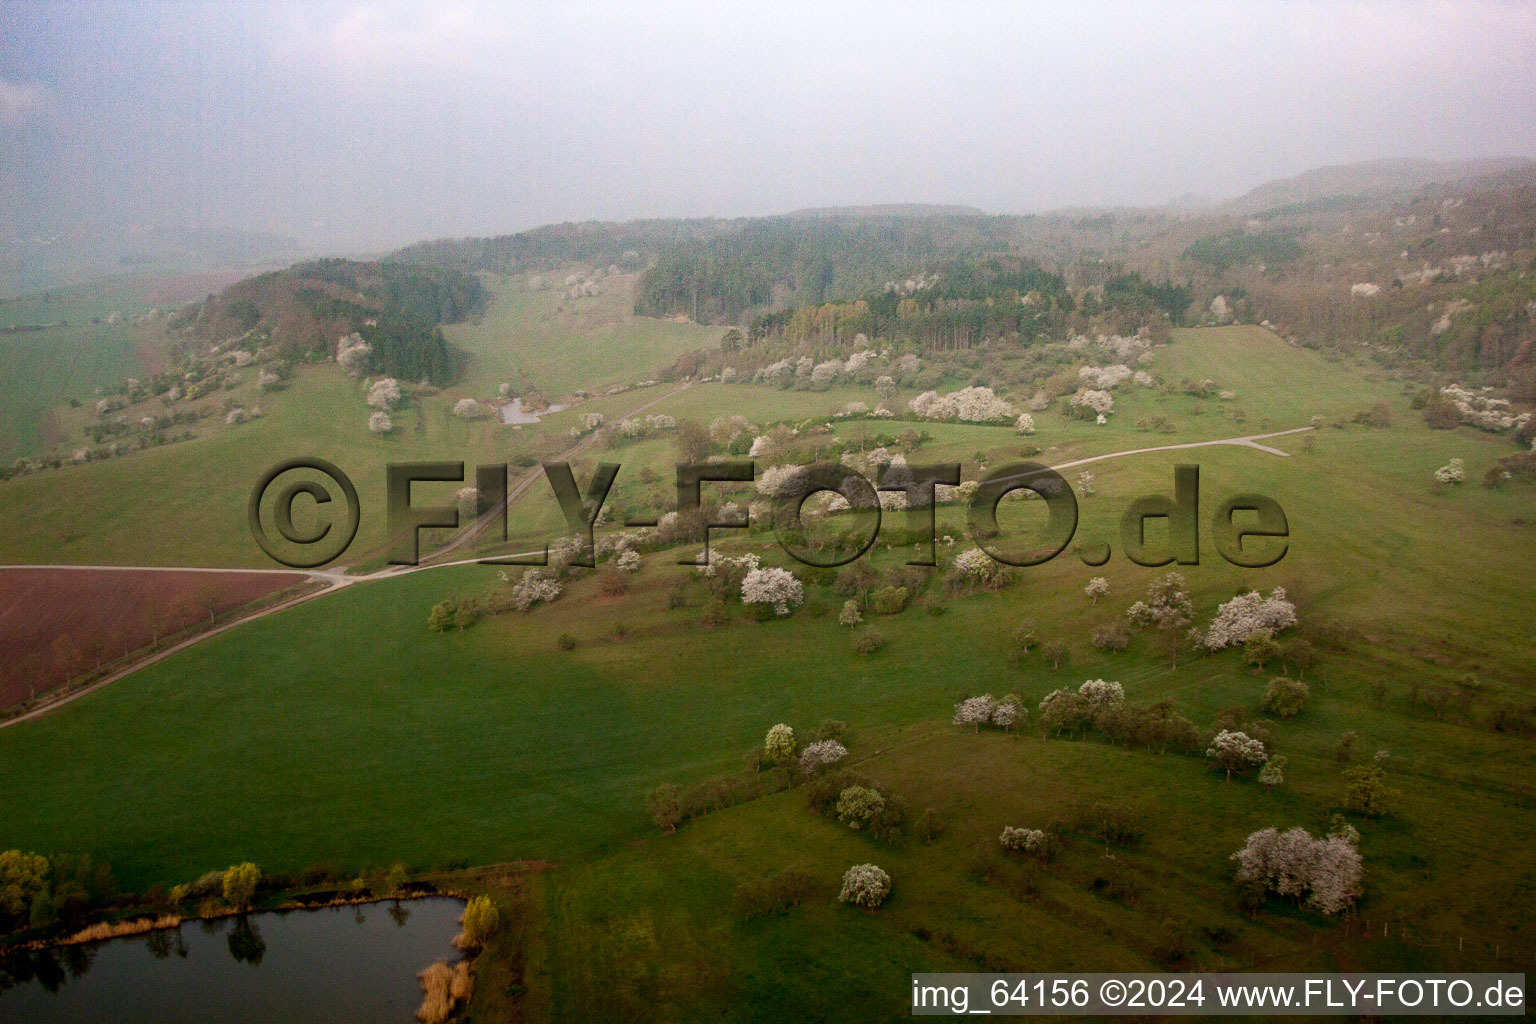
[
  {"x": 480, "y": 921},
  {"x": 240, "y": 884}
]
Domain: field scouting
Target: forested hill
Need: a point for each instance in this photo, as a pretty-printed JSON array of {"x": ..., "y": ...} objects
[
  {"x": 1406, "y": 260},
  {"x": 303, "y": 310},
  {"x": 597, "y": 243}
]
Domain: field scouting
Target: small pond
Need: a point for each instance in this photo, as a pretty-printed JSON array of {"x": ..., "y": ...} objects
[
  {"x": 328, "y": 966},
  {"x": 513, "y": 412}
]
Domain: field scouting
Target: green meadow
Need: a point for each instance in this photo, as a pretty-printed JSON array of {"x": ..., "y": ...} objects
[{"x": 559, "y": 345}]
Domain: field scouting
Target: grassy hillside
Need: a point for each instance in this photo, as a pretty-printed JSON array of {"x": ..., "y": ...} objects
[
  {"x": 42, "y": 370},
  {"x": 344, "y": 732},
  {"x": 559, "y": 345}
]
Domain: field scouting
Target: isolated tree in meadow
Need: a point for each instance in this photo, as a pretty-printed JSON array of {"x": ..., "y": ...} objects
[
  {"x": 779, "y": 744},
  {"x": 1024, "y": 840},
  {"x": 1285, "y": 697},
  {"x": 1024, "y": 638},
  {"x": 1055, "y": 652},
  {"x": 865, "y": 885},
  {"x": 779, "y": 589},
  {"x": 1273, "y": 772},
  {"x": 1236, "y": 752},
  {"x": 1097, "y": 587},
  {"x": 664, "y": 807},
  {"x": 1367, "y": 791},
  {"x": 240, "y": 882}
]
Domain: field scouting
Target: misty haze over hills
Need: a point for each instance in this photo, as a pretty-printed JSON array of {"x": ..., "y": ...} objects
[{"x": 39, "y": 263}]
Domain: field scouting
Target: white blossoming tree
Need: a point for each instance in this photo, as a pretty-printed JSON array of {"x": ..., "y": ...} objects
[
  {"x": 1294, "y": 864},
  {"x": 533, "y": 587},
  {"x": 1453, "y": 472},
  {"x": 384, "y": 393},
  {"x": 1248, "y": 614},
  {"x": 778, "y": 588},
  {"x": 865, "y": 885},
  {"x": 1100, "y": 697},
  {"x": 821, "y": 754},
  {"x": 975, "y": 711},
  {"x": 1092, "y": 402},
  {"x": 1097, "y": 587},
  {"x": 380, "y": 422},
  {"x": 1236, "y": 752},
  {"x": 975, "y": 567},
  {"x": 1024, "y": 840}
]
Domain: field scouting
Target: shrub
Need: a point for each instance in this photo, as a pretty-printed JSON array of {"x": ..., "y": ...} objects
[
  {"x": 889, "y": 600},
  {"x": 1367, "y": 793},
  {"x": 1110, "y": 824},
  {"x": 773, "y": 895},
  {"x": 1285, "y": 697},
  {"x": 1114, "y": 638},
  {"x": 1033, "y": 841},
  {"x": 565, "y": 641},
  {"x": 832, "y": 729},
  {"x": 865, "y": 885},
  {"x": 868, "y": 642},
  {"x": 663, "y": 806},
  {"x": 613, "y": 583}
]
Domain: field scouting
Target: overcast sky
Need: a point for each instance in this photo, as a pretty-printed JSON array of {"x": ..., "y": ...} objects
[{"x": 366, "y": 125}]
